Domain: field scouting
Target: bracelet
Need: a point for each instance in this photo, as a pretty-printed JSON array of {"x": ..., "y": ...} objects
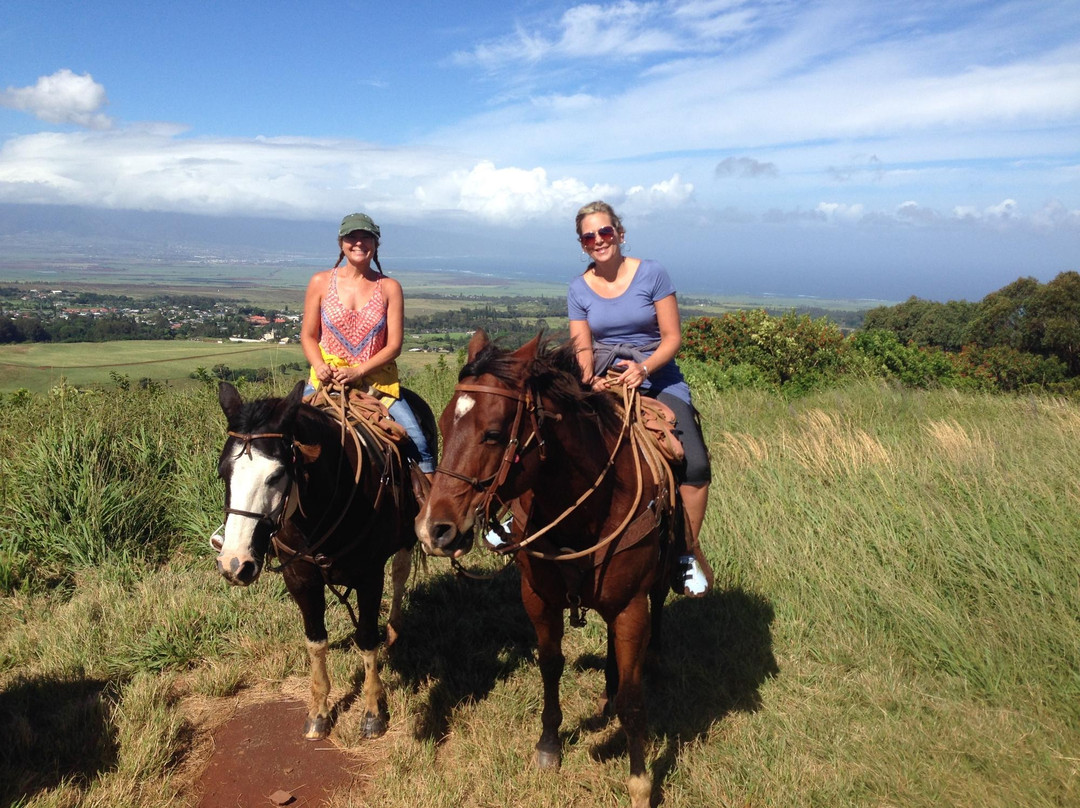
[{"x": 646, "y": 369}]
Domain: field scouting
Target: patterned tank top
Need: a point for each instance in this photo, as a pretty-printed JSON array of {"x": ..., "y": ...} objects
[{"x": 353, "y": 335}]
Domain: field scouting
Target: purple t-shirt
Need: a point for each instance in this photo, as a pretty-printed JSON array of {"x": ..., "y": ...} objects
[{"x": 630, "y": 319}]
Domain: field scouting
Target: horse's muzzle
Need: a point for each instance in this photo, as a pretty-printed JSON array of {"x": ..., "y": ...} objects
[
  {"x": 443, "y": 538},
  {"x": 239, "y": 571}
]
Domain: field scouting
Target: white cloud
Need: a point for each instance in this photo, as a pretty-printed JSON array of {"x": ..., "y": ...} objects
[
  {"x": 152, "y": 168},
  {"x": 512, "y": 194},
  {"x": 668, "y": 194},
  {"x": 619, "y": 31},
  {"x": 839, "y": 212},
  {"x": 1055, "y": 215},
  {"x": 62, "y": 97},
  {"x": 916, "y": 213}
]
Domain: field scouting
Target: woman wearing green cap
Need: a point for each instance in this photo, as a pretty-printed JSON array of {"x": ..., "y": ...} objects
[{"x": 354, "y": 324}]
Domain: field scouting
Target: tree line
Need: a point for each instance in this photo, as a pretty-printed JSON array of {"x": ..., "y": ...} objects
[{"x": 1025, "y": 336}]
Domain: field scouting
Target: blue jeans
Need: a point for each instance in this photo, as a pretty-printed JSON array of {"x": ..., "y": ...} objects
[{"x": 401, "y": 412}]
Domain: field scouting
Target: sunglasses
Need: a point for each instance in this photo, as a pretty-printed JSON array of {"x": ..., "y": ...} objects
[{"x": 607, "y": 233}]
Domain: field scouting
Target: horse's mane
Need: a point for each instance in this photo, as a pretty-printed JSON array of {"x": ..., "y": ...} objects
[
  {"x": 253, "y": 414},
  {"x": 554, "y": 372}
]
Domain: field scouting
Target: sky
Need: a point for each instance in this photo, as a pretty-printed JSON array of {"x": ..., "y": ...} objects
[{"x": 828, "y": 148}]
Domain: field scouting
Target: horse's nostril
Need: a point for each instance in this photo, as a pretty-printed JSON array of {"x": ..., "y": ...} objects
[
  {"x": 444, "y": 534},
  {"x": 247, "y": 572}
]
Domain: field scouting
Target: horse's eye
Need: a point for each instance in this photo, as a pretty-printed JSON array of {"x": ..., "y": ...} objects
[
  {"x": 493, "y": 436},
  {"x": 274, "y": 478}
]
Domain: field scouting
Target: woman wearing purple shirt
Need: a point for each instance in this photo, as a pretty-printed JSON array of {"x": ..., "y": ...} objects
[{"x": 623, "y": 315}]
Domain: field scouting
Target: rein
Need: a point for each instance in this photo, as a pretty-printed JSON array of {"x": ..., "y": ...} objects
[
  {"x": 292, "y": 502},
  {"x": 490, "y": 485},
  {"x": 340, "y": 411}
]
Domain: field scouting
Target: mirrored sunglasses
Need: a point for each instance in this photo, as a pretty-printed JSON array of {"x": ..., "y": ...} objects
[{"x": 607, "y": 233}]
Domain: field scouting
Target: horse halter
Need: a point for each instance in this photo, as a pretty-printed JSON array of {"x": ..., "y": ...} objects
[
  {"x": 274, "y": 521},
  {"x": 511, "y": 455}
]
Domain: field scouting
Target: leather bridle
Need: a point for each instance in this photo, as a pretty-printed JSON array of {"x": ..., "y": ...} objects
[
  {"x": 273, "y": 520},
  {"x": 490, "y": 485}
]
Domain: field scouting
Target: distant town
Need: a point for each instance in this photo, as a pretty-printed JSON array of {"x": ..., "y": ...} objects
[
  {"x": 41, "y": 314},
  {"x": 58, "y": 315}
]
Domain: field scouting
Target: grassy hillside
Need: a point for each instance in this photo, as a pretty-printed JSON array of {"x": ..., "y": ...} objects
[{"x": 895, "y": 620}]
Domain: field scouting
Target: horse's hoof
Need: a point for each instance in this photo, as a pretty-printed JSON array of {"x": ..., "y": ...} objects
[
  {"x": 317, "y": 728},
  {"x": 607, "y": 707},
  {"x": 374, "y": 725},
  {"x": 544, "y": 759}
]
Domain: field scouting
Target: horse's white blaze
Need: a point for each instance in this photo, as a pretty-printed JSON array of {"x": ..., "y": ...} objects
[
  {"x": 465, "y": 402},
  {"x": 249, "y": 491}
]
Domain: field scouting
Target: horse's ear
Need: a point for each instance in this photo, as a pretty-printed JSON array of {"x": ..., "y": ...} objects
[
  {"x": 285, "y": 412},
  {"x": 478, "y": 342},
  {"x": 229, "y": 399},
  {"x": 529, "y": 349},
  {"x": 297, "y": 392}
]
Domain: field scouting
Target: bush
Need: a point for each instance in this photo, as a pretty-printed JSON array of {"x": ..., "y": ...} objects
[
  {"x": 885, "y": 355},
  {"x": 793, "y": 352},
  {"x": 1001, "y": 368}
]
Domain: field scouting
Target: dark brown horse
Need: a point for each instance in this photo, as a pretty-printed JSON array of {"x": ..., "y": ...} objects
[
  {"x": 593, "y": 521},
  {"x": 332, "y": 508}
]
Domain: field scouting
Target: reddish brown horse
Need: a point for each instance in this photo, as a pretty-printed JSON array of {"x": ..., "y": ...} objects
[
  {"x": 332, "y": 506},
  {"x": 592, "y": 522}
]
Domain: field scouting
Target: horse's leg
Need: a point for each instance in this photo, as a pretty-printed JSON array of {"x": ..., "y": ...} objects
[
  {"x": 548, "y": 623},
  {"x": 311, "y": 598},
  {"x": 611, "y": 676},
  {"x": 657, "y": 596},
  {"x": 368, "y": 599},
  {"x": 400, "y": 568},
  {"x": 631, "y": 640}
]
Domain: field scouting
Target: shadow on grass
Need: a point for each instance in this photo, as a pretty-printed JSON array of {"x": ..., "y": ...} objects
[
  {"x": 716, "y": 653},
  {"x": 461, "y": 637},
  {"x": 53, "y": 731}
]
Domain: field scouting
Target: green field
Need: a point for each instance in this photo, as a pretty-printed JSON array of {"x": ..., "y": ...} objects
[{"x": 39, "y": 367}]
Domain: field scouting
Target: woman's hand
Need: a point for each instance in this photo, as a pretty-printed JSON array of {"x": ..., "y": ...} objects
[
  {"x": 348, "y": 376},
  {"x": 633, "y": 375},
  {"x": 324, "y": 373}
]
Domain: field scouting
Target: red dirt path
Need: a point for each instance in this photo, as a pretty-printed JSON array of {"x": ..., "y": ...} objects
[{"x": 260, "y": 752}]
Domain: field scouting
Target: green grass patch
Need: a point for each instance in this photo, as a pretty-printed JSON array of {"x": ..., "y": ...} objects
[
  {"x": 895, "y": 620},
  {"x": 40, "y": 367}
]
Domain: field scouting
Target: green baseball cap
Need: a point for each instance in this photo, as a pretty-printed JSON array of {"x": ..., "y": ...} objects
[{"x": 357, "y": 221}]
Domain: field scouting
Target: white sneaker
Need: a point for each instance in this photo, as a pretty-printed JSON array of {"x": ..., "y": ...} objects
[
  {"x": 217, "y": 538},
  {"x": 494, "y": 539},
  {"x": 693, "y": 578}
]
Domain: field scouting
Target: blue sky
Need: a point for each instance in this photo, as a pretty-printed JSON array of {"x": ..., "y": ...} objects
[{"x": 864, "y": 149}]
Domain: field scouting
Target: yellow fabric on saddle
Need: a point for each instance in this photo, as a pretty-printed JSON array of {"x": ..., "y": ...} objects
[
  {"x": 359, "y": 409},
  {"x": 385, "y": 379}
]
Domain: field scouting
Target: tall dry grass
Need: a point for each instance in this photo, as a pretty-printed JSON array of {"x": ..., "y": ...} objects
[{"x": 894, "y": 623}]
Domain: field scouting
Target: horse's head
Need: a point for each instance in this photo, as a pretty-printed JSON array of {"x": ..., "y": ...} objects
[
  {"x": 258, "y": 467},
  {"x": 484, "y": 427}
]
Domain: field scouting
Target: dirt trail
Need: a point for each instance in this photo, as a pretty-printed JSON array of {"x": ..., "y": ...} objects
[{"x": 260, "y": 758}]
